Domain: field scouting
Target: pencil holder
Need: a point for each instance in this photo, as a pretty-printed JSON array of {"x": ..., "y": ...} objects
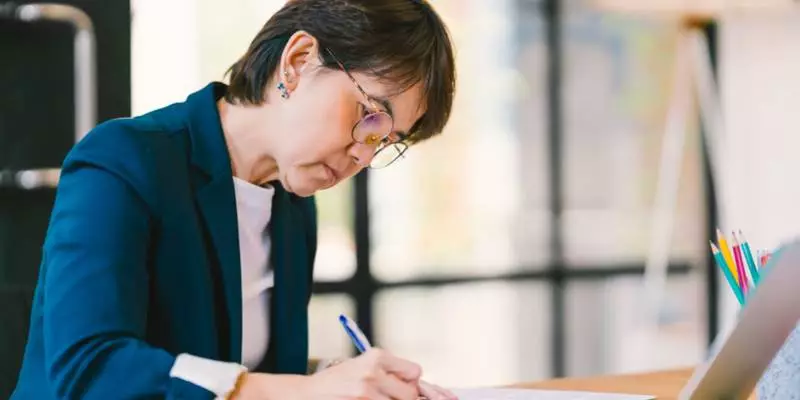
[{"x": 781, "y": 379}]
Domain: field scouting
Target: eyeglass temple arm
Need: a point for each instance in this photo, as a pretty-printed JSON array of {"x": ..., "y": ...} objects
[{"x": 360, "y": 89}]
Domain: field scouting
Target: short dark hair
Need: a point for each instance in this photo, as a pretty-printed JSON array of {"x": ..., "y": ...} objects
[{"x": 400, "y": 41}]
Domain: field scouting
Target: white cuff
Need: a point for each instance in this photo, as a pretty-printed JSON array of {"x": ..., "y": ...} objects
[{"x": 217, "y": 377}]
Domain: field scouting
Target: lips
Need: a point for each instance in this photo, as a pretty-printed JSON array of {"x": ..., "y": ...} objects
[{"x": 331, "y": 176}]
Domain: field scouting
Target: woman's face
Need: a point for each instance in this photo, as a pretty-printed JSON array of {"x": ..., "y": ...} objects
[{"x": 317, "y": 150}]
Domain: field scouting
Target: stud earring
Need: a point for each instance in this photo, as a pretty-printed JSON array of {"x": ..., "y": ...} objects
[
  {"x": 284, "y": 91},
  {"x": 282, "y": 87}
]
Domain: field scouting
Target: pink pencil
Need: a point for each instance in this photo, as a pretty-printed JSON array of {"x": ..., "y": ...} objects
[{"x": 737, "y": 256}]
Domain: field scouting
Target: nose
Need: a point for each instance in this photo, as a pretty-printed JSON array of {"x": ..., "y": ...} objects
[{"x": 361, "y": 154}]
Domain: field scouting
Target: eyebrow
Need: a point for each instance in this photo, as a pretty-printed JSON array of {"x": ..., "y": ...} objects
[{"x": 384, "y": 102}]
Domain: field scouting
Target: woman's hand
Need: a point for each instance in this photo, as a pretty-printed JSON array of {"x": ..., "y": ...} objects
[
  {"x": 429, "y": 391},
  {"x": 433, "y": 392},
  {"x": 374, "y": 375}
]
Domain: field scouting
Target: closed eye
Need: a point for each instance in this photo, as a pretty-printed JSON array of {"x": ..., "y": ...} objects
[{"x": 394, "y": 137}]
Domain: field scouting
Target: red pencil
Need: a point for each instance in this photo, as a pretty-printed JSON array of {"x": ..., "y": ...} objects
[{"x": 764, "y": 258}]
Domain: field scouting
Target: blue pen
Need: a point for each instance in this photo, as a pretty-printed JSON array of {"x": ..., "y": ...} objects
[{"x": 359, "y": 339}]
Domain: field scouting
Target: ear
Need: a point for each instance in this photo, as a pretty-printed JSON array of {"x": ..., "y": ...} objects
[{"x": 299, "y": 56}]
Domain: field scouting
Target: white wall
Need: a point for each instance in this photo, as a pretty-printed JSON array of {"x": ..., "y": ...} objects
[
  {"x": 178, "y": 46},
  {"x": 760, "y": 86}
]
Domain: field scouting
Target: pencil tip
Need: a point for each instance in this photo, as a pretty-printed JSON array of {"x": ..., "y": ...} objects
[{"x": 713, "y": 247}]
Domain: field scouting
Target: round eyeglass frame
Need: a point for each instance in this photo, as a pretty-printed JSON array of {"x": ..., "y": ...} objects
[{"x": 400, "y": 146}]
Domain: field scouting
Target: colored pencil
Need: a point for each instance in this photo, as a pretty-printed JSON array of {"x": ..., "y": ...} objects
[
  {"x": 726, "y": 271},
  {"x": 726, "y": 253},
  {"x": 748, "y": 255},
  {"x": 737, "y": 258},
  {"x": 764, "y": 258}
]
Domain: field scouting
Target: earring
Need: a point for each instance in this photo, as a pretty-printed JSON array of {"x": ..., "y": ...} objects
[
  {"x": 282, "y": 87},
  {"x": 284, "y": 91}
]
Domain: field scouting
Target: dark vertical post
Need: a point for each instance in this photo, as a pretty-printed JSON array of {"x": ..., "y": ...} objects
[
  {"x": 552, "y": 13},
  {"x": 364, "y": 285},
  {"x": 712, "y": 217}
]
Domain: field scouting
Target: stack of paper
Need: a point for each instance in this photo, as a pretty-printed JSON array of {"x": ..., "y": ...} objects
[{"x": 525, "y": 394}]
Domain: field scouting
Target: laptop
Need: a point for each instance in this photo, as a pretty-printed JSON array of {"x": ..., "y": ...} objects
[{"x": 740, "y": 355}]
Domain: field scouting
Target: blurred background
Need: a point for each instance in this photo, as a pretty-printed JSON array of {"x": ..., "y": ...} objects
[{"x": 513, "y": 247}]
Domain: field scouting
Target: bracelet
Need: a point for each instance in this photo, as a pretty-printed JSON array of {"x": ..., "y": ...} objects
[{"x": 237, "y": 386}]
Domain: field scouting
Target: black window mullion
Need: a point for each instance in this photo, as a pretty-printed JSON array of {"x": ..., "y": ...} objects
[
  {"x": 363, "y": 286},
  {"x": 552, "y": 17},
  {"x": 712, "y": 217}
]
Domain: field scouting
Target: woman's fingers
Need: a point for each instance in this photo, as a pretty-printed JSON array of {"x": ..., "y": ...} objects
[
  {"x": 434, "y": 392},
  {"x": 404, "y": 369},
  {"x": 391, "y": 385}
]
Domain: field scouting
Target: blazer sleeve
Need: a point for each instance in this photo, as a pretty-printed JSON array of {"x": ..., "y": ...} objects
[{"x": 96, "y": 293}]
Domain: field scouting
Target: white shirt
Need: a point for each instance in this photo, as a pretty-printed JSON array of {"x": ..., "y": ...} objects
[{"x": 253, "y": 212}]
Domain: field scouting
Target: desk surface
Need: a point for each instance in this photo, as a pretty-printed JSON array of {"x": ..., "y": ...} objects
[{"x": 665, "y": 385}]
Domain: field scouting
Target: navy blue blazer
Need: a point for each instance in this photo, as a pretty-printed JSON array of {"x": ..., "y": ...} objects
[{"x": 141, "y": 263}]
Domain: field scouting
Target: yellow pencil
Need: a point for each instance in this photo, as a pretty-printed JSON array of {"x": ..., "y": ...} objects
[{"x": 726, "y": 254}]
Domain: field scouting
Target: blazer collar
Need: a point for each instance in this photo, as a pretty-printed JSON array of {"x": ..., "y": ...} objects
[{"x": 209, "y": 150}]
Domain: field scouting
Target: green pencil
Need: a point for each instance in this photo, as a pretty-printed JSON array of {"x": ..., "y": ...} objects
[
  {"x": 751, "y": 264},
  {"x": 727, "y": 272}
]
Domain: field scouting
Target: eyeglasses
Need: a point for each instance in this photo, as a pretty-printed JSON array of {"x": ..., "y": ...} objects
[{"x": 375, "y": 129}]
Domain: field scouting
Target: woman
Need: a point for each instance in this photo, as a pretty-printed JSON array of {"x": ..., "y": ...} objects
[{"x": 178, "y": 260}]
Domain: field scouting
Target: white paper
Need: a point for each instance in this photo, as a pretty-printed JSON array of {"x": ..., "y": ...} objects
[{"x": 526, "y": 394}]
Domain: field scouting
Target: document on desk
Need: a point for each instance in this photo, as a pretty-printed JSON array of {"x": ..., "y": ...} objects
[{"x": 526, "y": 394}]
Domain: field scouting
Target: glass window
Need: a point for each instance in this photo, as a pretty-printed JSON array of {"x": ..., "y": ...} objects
[
  {"x": 326, "y": 337},
  {"x": 471, "y": 334},
  {"x": 608, "y": 334},
  {"x": 336, "y": 249},
  {"x": 470, "y": 202},
  {"x": 617, "y": 88}
]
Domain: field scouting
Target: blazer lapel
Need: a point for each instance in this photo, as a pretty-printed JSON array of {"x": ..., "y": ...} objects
[
  {"x": 289, "y": 341},
  {"x": 216, "y": 200},
  {"x": 217, "y": 203}
]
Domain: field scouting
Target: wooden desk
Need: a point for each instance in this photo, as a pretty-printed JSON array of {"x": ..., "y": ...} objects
[{"x": 665, "y": 385}]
